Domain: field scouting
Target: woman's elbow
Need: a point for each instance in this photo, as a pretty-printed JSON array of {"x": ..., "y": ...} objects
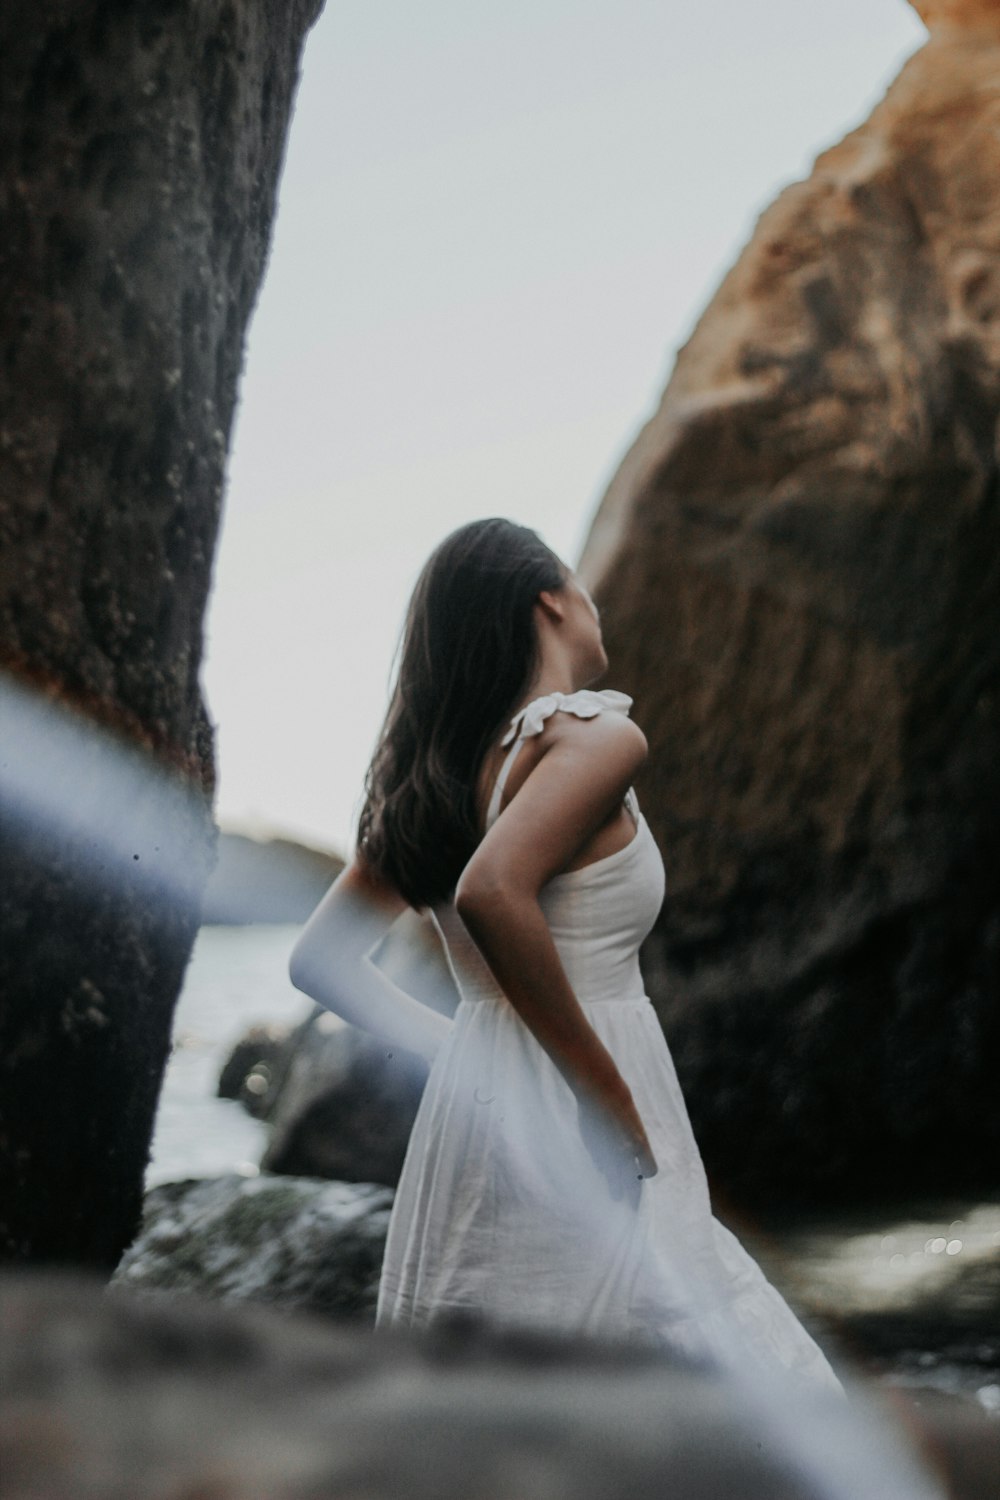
[
  {"x": 481, "y": 900},
  {"x": 299, "y": 967},
  {"x": 470, "y": 896},
  {"x": 308, "y": 970}
]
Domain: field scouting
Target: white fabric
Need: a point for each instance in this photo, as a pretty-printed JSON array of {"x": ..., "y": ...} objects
[
  {"x": 586, "y": 703},
  {"x": 500, "y": 1210}
]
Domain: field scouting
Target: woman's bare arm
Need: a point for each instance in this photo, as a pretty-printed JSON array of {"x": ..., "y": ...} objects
[
  {"x": 331, "y": 962},
  {"x": 577, "y": 784}
]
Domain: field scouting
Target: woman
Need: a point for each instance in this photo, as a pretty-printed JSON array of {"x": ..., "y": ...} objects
[{"x": 552, "y": 1178}]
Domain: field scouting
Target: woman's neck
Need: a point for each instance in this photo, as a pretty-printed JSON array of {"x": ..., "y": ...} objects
[
  {"x": 551, "y": 683},
  {"x": 554, "y": 674}
]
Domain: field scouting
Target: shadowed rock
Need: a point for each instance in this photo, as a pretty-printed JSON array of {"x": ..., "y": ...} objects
[
  {"x": 798, "y": 566},
  {"x": 140, "y": 147},
  {"x": 287, "y": 1241},
  {"x": 254, "y": 1071},
  {"x": 344, "y": 1106}
]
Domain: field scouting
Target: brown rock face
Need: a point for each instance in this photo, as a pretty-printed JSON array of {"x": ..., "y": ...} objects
[
  {"x": 140, "y": 147},
  {"x": 799, "y": 568}
]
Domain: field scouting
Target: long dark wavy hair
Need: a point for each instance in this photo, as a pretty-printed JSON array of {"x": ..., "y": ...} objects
[{"x": 466, "y": 659}]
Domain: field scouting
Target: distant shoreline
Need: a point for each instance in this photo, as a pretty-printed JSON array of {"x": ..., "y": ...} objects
[{"x": 265, "y": 880}]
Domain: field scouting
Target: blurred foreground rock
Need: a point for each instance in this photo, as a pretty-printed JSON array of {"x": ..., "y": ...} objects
[
  {"x": 111, "y": 1395},
  {"x": 798, "y": 567},
  {"x": 286, "y": 1241}
]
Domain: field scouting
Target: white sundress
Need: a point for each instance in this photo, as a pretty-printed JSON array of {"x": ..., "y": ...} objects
[{"x": 500, "y": 1210}]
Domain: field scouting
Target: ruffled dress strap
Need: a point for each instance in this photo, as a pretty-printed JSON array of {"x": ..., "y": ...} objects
[{"x": 586, "y": 703}]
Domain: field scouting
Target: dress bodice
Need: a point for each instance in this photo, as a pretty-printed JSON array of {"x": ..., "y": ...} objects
[{"x": 598, "y": 914}]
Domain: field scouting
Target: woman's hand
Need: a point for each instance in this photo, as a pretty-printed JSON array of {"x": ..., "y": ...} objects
[{"x": 616, "y": 1139}]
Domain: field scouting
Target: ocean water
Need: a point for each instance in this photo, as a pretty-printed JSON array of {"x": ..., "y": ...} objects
[
  {"x": 921, "y": 1281},
  {"x": 237, "y": 978}
]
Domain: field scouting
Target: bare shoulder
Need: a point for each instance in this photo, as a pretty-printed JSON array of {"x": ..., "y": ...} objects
[
  {"x": 606, "y": 733},
  {"x": 564, "y": 808},
  {"x": 605, "y": 749},
  {"x": 593, "y": 758}
]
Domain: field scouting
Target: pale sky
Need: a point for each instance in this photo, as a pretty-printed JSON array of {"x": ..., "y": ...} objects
[{"x": 497, "y": 224}]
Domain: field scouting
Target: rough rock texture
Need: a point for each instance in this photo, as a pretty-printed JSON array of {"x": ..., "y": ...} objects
[
  {"x": 344, "y": 1106},
  {"x": 121, "y": 1396},
  {"x": 140, "y": 147},
  {"x": 798, "y": 564},
  {"x": 286, "y": 1241}
]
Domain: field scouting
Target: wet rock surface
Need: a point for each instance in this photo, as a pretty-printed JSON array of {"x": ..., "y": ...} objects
[
  {"x": 291, "y": 1242},
  {"x": 910, "y": 1291}
]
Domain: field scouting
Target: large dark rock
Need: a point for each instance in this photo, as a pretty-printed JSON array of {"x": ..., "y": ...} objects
[
  {"x": 798, "y": 566},
  {"x": 291, "y": 1242},
  {"x": 149, "y": 1397},
  {"x": 140, "y": 147},
  {"x": 345, "y": 1105}
]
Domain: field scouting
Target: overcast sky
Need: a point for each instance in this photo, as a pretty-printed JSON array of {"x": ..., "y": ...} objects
[{"x": 497, "y": 223}]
